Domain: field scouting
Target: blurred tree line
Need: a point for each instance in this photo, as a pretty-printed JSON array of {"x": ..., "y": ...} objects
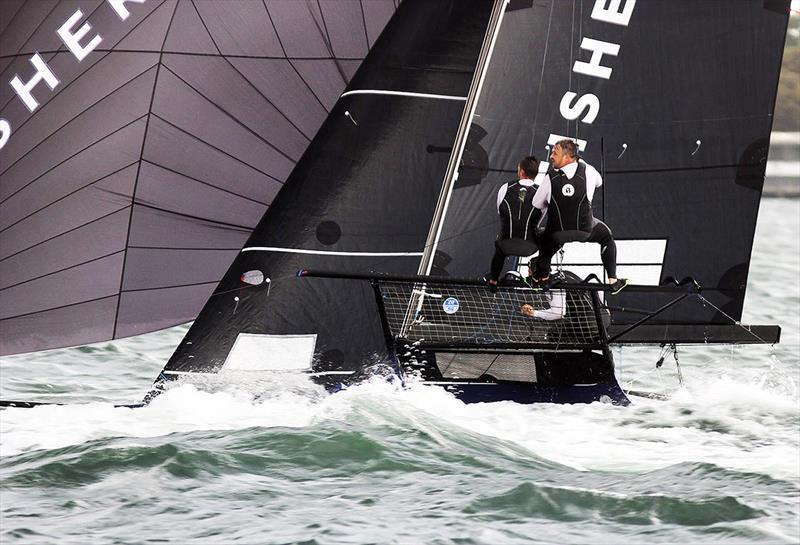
[{"x": 787, "y": 105}]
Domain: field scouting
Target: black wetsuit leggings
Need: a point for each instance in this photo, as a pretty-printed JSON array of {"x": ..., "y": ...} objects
[
  {"x": 600, "y": 233},
  {"x": 498, "y": 261},
  {"x": 509, "y": 247}
]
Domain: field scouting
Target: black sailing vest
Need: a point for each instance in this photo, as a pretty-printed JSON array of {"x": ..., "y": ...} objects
[
  {"x": 570, "y": 208},
  {"x": 516, "y": 212}
]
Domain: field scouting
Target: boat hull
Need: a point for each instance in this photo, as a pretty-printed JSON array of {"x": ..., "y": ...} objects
[{"x": 489, "y": 392}]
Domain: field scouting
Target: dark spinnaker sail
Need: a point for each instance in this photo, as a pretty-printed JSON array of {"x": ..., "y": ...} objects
[{"x": 133, "y": 183}]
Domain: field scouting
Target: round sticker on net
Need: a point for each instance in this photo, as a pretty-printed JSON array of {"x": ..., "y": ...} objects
[
  {"x": 450, "y": 305},
  {"x": 568, "y": 190}
]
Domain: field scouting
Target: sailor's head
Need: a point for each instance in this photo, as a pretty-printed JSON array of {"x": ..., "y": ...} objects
[
  {"x": 563, "y": 153},
  {"x": 528, "y": 167}
]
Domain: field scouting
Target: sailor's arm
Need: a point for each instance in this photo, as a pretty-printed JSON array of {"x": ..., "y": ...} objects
[
  {"x": 593, "y": 179},
  {"x": 542, "y": 196},
  {"x": 557, "y": 310}
]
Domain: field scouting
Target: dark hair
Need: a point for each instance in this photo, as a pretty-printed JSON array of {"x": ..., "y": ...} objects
[
  {"x": 568, "y": 146},
  {"x": 530, "y": 166}
]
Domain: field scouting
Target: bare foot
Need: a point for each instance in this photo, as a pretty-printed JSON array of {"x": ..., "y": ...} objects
[{"x": 527, "y": 310}]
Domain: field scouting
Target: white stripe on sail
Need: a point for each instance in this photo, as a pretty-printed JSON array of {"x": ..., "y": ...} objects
[
  {"x": 329, "y": 252},
  {"x": 402, "y": 94}
]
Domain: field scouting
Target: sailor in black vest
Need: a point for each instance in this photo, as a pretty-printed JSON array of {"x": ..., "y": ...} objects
[
  {"x": 569, "y": 187},
  {"x": 520, "y": 220}
]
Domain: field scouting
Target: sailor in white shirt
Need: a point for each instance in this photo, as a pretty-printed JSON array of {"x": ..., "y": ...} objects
[
  {"x": 566, "y": 191},
  {"x": 554, "y": 307}
]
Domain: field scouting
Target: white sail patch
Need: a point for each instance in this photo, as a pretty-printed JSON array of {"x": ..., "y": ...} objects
[
  {"x": 640, "y": 261},
  {"x": 256, "y": 352}
]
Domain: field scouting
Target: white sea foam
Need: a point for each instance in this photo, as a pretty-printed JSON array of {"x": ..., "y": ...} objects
[{"x": 723, "y": 422}]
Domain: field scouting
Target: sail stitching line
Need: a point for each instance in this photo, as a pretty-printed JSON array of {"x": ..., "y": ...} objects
[
  {"x": 245, "y": 228},
  {"x": 328, "y": 252},
  {"x": 19, "y": 9},
  {"x": 212, "y": 146},
  {"x": 233, "y": 118},
  {"x": 245, "y": 197},
  {"x": 64, "y": 233},
  {"x": 101, "y": 298},
  {"x": 139, "y": 169},
  {"x": 28, "y": 39},
  {"x": 62, "y": 270},
  {"x": 178, "y": 54},
  {"x": 364, "y": 22},
  {"x": 402, "y": 93},
  {"x": 250, "y": 83},
  {"x": 68, "y": 195},
  {"x": 86, "y": 110},
  {"x": 77, "y": 77},
  {"x": 125, "y": 126},
  {"x": 287, "y": 59},
  {"x": 327, "y": 39},
  {"x": 59, "y": 307},
  {"x": 171, "y": 286}
]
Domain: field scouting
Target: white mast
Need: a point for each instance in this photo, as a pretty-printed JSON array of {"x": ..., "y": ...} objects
[{"x": 451, "y": 175}]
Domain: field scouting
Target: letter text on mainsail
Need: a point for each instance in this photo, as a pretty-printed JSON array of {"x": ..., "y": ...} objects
[
  {"x": 572, "y": 107},
  {"x": 72, "y": 39}
]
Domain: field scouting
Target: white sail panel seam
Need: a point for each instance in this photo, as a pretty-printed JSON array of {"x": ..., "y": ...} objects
[
  {"x": 329, "y": 252},
  {"x": 403, "y": 94}
]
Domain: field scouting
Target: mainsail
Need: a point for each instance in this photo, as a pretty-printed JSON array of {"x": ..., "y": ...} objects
[
  {"x": 131, "y": 178},
  {"x": 672, "y": 101}
]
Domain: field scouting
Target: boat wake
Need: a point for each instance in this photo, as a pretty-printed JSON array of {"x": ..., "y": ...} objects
[{"x": 748, "y": 427}]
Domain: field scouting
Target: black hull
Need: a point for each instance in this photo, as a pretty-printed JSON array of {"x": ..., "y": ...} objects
[
  {"x": 519, "y": 392},
  {"x": 596, "y": 384},
  {"x": 490, "y": 392}
]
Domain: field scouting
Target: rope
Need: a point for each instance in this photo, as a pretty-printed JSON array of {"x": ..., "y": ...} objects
[{"x": 733, "y": 321}]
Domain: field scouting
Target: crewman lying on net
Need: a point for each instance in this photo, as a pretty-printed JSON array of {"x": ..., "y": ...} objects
[
  {"x": 520, "y": 221},
  {"x": 567, "y": 189},
  {"x": 554, "y": 306}
]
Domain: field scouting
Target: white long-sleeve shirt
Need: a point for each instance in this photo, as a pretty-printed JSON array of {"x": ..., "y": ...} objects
[{"x": 558, "y": 307}]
